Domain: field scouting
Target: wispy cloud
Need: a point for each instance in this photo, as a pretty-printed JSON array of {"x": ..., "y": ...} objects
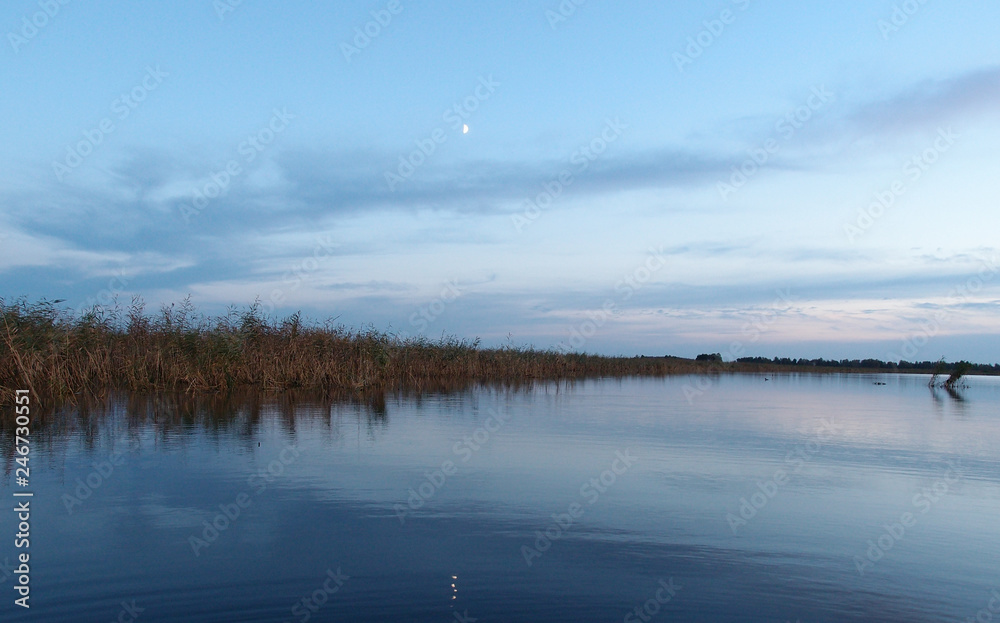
[
  {"x": 145, "y": 191},
  {"x": 930, "y": 102},
  {"x": 127, "y": 217}
]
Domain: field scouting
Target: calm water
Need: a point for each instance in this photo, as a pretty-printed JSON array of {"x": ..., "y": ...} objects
[{"x": 800, "y": 498}]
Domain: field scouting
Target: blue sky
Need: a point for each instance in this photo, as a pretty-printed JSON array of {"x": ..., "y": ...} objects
[{"x": 732, "y": 176}]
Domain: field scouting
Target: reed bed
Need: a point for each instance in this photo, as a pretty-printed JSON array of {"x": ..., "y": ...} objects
[{"x": 59, "y": 355}]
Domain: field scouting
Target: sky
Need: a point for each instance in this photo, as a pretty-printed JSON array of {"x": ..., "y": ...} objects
[{"x": 733, "y": 176}]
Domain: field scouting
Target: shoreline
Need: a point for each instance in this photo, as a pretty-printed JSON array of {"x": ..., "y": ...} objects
[{"x": 60, "y": 357}]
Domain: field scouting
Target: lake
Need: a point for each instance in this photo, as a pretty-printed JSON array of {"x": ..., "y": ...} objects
[{"x": 731, "y": 498}]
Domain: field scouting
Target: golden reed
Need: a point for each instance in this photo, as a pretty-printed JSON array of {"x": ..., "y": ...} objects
[{"x": 59, "y": 354}]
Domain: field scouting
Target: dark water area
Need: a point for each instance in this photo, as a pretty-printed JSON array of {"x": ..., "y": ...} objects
[{"x": 797, "y": 498}]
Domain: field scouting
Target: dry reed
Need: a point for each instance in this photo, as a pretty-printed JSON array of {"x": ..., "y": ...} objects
[{"x": 61, "y": 355}]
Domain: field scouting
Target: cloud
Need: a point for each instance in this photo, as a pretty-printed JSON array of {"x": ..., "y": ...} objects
[
  {"x": 326, "y": 183},
  {"x": 929, "y": 103},
  {"x": 25, "y": 250},
  {"x": 144, "y": 193},
  {"x": 127, "y": 218}
]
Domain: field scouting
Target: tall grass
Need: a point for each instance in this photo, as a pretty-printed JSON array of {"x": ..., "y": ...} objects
[
  {"x": 961, "y": 368},
  {"x": 58, "y": 354}
]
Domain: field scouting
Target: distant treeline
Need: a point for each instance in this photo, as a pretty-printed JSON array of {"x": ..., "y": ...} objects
[
  {"x": 60, "y": 356},
  {"x": 875, "y": 364}
]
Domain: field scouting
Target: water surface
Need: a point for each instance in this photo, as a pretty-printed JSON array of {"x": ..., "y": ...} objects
[{"x": 800, "y": 497}]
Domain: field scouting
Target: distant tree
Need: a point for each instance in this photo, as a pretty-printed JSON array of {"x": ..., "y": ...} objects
[{"x": 717, "y": 357}]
